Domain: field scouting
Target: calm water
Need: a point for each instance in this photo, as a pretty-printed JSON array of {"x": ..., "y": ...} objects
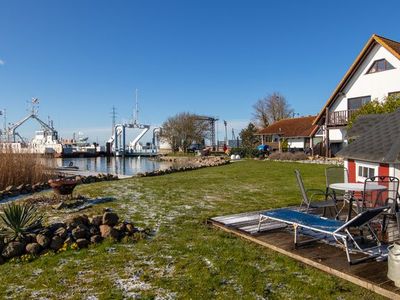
[{"x": 114, "y": 165}]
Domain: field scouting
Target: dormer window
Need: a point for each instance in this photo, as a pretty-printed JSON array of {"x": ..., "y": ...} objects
[{"x": 379, "y": 66}]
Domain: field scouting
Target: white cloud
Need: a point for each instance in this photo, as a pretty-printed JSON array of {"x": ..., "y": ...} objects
[{"x": 2, "y": 62}]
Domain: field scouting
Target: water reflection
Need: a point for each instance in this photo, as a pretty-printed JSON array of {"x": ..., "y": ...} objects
[{"x": 114, "y": 165}]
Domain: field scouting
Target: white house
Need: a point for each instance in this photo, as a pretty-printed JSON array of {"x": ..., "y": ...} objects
[{"x": 375, "y": 74}]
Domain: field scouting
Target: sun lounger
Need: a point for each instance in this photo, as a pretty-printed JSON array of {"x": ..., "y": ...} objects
[{"x": 337, "y": 229}]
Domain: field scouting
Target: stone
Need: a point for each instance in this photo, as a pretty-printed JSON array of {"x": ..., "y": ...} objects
[
  {"x": 13, "y": 249},
  {"x": 10, "y": 189},
  {"x": 110, "y": 218},
  {"x": 45, "y": 231},
  {"x": 30, "y": 238},
  {"x": 33, "y": 248},
  {"x": 61, "y": 232},
  {"x": 79, "y": 233},
  {"x": 82, "y": 243},
  {"x": 78, "y": 220},
  {"x": 95, "y": 239},
  {"x": 56, "y": 242},
  {"x": 109, "y": 232},
  {"x": 42, "y": 240},
  {"x": 1, "y": 244},
  {"x": 96, "y": 220},
  {"x": 55, "y": 226},
  {"x": 2, "y": 261},
  {"x": 69, "y": 241},
  {"x": 130, "y": 229},
  {"x": 120, "y": 227},
  {"x": 94, "y": 230}
]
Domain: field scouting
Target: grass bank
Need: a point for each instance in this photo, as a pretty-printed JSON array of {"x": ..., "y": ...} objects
[{"x": 186, "y": 258}]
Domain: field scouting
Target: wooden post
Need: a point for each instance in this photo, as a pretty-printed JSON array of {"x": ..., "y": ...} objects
[{"x": 326, "y": 133}]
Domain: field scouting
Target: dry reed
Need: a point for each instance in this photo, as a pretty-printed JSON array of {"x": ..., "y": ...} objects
[{"x": 16, "y": 169}]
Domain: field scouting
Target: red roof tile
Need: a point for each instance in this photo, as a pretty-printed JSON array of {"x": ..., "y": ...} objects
[{"x": 295, "y": 127}]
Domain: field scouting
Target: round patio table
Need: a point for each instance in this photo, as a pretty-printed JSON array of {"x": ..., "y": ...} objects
[{"x": 351, "y": 187}]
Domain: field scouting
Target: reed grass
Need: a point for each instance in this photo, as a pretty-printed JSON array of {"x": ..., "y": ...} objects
[{"x": 17, "y": 168}]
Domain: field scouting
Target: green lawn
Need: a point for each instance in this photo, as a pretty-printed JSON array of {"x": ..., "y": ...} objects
[{"x": 186, "y": 258}]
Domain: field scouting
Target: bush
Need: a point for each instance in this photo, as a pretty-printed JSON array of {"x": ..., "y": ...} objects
[
  {"x": 247, "y": 152},
  {"x": 288, "y": 156}
]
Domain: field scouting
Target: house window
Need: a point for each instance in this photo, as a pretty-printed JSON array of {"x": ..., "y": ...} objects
[
  {"x": 356, "y": 103},
  {"x": 379, "y": 66},
  {"x": 366, "y": 170}
]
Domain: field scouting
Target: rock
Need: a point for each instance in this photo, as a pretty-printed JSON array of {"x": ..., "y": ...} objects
[
  {"x": 32, "y": 248},
  {"x": 96, "y": 220},
  {"x": 79, "y": 233},
  {"x": 109, "y": 232},
  {"x": 56, "y": 242},
  {"x": 42, "y": 240},
  {"x": 120, "y": 227},
  {"x": 69, "y": 241},
  {"x": 1, "y": 244},
  {"x": 130, "y": 229},
  {"x": 94, "y": 230},
  {"x": 30, "y": 238},
  {"x": 2, "y": 261},
  {"x": 95, "y": 239},
  {"x": 54, "y": 227},
  {"x": 13, "y": 249},
  {"x": 82, "y": 243},
  {"x": 110, "y": 218},
  {"x": 10, "y": 189},
  {"x": 61, "y": 232},
  {"x": 45, "y": 231},
  {"x": 78, "y": 220}
]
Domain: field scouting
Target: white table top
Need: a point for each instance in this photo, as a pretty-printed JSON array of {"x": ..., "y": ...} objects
[{"x": 356, "y": 187}]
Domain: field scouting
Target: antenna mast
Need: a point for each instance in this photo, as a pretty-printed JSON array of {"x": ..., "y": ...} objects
[{"x": 136, "y": 114}]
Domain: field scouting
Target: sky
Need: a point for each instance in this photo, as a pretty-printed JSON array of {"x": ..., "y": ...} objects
[{"x": 210, "y": 57}]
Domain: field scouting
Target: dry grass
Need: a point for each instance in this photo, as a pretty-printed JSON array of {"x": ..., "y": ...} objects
[{"x": 16, "y": 169}]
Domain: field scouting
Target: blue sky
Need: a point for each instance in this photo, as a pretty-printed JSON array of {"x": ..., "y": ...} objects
[{"x": 216, "y": 58}]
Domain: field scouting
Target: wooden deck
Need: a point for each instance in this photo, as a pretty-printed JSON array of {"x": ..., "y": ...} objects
[{"x": 324, "y": 256}]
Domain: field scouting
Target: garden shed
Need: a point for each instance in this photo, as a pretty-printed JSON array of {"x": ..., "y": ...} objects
[{"x": 375, "y": 147}]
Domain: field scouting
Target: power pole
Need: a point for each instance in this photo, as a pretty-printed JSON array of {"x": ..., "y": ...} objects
[{"x": 226, "y": 133}]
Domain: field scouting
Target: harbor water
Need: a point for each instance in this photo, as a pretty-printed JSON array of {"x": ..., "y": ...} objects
[{"x": 127, "y": 166}]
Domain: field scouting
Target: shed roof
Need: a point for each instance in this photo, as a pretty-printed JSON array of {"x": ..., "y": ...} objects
[
  {"x": 294, "y": 127},
  {"x": 362, "y": 125},
  {"x": 390, "y": 45},
  {"x": 378, "y": 143}
]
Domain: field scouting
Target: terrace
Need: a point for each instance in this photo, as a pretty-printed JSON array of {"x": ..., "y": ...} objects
[{"x": 339, "y": 118}]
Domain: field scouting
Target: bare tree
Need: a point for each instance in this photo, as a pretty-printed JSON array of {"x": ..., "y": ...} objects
[
  {"x": 270, "y": 109},
  {"x": 183, "y": 129}
]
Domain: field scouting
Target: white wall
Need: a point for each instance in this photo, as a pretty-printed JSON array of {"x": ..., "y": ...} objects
[
  {"x": 377, "y": 85},
  {"x": 337, "y": 135},
  {"x": 296, "y": 143}
]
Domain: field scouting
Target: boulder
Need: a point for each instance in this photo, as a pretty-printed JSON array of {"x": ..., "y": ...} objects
[
  {"x": 96, "y": 220},
  {"x": 43, "y": 240},
  {"x": 82, "y": 243},
  {"x": 69, "y": 241},
  {"x": 54, "y": 227},
  {"x": 109, "y": 232},
  {"x": 79, "y": 232},
  {"x": 1, "y": 244},
  {"x": 110, "y": 218},
  {"x": 56, "y": 243},
  {"x": 77, "y": 220},
  {"x": 30, "y": 238},
  {"x": 120, "y": 227},
  {"x": 130, "y": 229},
  {"x": 94, "y": 230},
  {"x": 95, "y": 239},
  {"x": 61, "y": 232},
  {"x": 46, "y": 232},
  {"x": 2, "y": 261},
  {"x": 32, "y": 248},
  {"x": 13, "y": 249}
]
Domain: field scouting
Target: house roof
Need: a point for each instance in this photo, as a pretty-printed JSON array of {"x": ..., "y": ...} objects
[
  {"x": 362, "y": 125},
  {"x": 378, "y": 143},
  {"x": 390, "y": 45},
  {"x": 294, "y": 127}
]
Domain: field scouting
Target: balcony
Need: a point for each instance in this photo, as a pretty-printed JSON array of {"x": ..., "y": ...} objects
[{"x": 339, "y": 118}]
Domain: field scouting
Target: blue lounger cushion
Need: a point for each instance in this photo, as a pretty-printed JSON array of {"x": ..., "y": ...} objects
[{"x": 296, "y": 217}]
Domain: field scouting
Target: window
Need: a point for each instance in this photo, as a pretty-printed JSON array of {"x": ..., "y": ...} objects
[
  {"x": 379, "y": 66},
  {"x": 366, "y": 170},
  {"x": 356, "y": 103}
]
